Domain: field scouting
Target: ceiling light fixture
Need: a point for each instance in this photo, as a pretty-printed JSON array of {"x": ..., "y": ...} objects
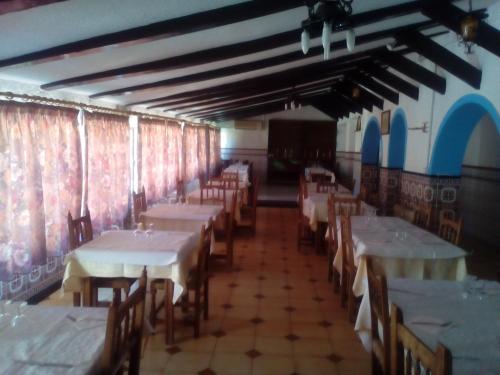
[
  {"x": 333, "y": 15},
  {"x": 468, "y": 27}
]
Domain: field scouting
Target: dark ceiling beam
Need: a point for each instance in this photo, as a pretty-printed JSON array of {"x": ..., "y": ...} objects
[
  {"x": 163, "y": 29},
  {"x": 450, "y": 16},
  {"x": 293, "y": 76},
  {"x": 331, "y": 106},
  {"x": 442, "y": 57},
  {"x": 192, "y": 99},
  {"x": 413, "y": 70},
  {"x": 376, "y": 87},
  {"x": 392, "y": 80},
  {"x": 346, "y": 101},
  {"x": 233, "y": 50},
  {"x": 241, "y": 106},
  {"x": 246, "y": 100},
  {"x": 10, "y": 6},
  {"x": 365, "y": 96},
  {"x": 245, "y": 95},
  {"x": 334, "y": 113},
  {"x": 260, "y": 64},
  {"x": 257, "y": 110}
]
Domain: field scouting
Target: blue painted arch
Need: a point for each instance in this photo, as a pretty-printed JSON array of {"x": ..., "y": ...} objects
[
  {"x": 371, "y": 142},
  {"x": 397, "y": 140},
  {"x": 454, "y": 133}
]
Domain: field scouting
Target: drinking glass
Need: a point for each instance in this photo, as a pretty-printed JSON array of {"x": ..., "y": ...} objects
[
  {"x": 19, "y": 320},
  {"x": 150, "y": 230}
]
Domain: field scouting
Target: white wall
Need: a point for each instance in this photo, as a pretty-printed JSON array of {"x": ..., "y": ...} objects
[{"x": 431, "y": 107}]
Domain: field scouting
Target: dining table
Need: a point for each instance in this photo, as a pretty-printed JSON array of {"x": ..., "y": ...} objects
[
  {"x": 168, "y": 255},
  {"x": 463, "y": 316},
  {"x": 308, "y": 171},
  {"x": 52, "y": 340},
  {"x": 209, "y": 193},
  {"x": 241, "y": 169}
]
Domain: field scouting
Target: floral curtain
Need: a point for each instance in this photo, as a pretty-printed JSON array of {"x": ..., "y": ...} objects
[
  {"x": 154, "y": 160},
  {"x": 108, "y": 169},
  {"x": 40, "y": 181},
  {"x": 191, "y": 152},
  {"x": 202, "y": 149},
  {"x": 214, "y": 144},
  {"x": 174, "y": 142}
]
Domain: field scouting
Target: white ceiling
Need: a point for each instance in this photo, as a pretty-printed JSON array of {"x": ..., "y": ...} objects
[{"x": 68, "y": 21}]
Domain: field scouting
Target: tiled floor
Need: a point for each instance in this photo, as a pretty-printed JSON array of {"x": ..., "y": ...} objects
[{"x": 274, "y": 313}]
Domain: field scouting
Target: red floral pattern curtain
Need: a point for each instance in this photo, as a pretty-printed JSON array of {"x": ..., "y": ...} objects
[
  {"x": 154, "y": 160},
  {"x": 174, "y": 142},
  {"x": 108, "y": 169},
  {"x": 202, "y": 149},
  {"x": 40, "y": 180},
  {"x": 214, "y": 143},
  {"x": 191, "y": 152}
]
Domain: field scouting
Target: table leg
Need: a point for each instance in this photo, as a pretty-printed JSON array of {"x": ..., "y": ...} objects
[
  {"x": 77, "y": 299},
  {"x": 169, "y": 312},
  {"x": 87, "y": 292}
]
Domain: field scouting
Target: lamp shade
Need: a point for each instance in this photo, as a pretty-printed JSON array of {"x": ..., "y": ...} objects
[
  {"x": 350, "y": 39},
  {"x": 305, "y": 41},
  {"x": 325, "y": 40}
]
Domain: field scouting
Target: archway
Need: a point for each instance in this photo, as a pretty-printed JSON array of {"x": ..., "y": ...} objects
[
  {"x": 370, "y": 158},
  {"x": 397, "y": 140},
  {"x": 390, "y": 177},
  {"x": 454, "y": 133}
]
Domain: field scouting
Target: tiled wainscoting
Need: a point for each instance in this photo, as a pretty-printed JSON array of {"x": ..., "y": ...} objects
[{"x": 389, "y": 189}]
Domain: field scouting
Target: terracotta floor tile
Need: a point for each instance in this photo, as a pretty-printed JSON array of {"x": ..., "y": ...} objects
[
  {"x": 315, "y": 366},
  {"x": 308, "y": 330},
  {"x": 273, "y": 345},
  {"x": 234, "y": 344},
  {"x": 312, "y": 347},
  {"x": 154, "y": 360},
  {"x": 188, "y": 362},
  {"x": 273, "y": 329},
  {"x": 235, "y": 364},
  {"x": 273, "y": 365}
]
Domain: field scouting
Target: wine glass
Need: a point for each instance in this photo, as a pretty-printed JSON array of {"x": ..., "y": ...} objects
[
  {"x": 19, "y": 319},
  {"x": 5, "y": 316}
]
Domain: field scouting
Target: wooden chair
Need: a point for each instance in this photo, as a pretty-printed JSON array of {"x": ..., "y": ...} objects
[
  {"x": 348, "y": 267},
  {"x": 409, "y": 354},
  {"x": 404, "y": 213},
  {"x": 350, "y": 205},
  {"x": 423, "y": 216},
  {"x": 333, "y": 244},
  {"x": 197, "y": 283},
  {"x": 304, "y": 233},
  {"x": 249, "y": 213},
  {"x": 122, "y": 345},
  {"x": 228, "y": 238},
  {"x": 202, "y": 178},
  {"x": 326, "y": 187},
  {"x": 450, "y": 230},
  {"x": 180, "y": 191},
  {"x": 232, "y": 180},
  {"x": 379, "y": 313},
  {"x": 80, "y": 232},
  {"x": 139, "y": 204},
  {"x": 350, "y": 184},
  {"x": 319, "y": 177}
]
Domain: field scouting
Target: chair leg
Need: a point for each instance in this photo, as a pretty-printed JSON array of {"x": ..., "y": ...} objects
[
  {"x": 336, "y": 281},
  {"x": 197, "y": 312},
  {"x": 205, "y": 300},
  {"x": 351, "y": 309},
  {"x": 330, "y": 266},
  {"x": 152, "y": 313},
  {"x": 77, "y": 299}
]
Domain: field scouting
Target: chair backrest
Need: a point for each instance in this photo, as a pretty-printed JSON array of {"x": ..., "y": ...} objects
[
  {"x": 80, "y": 230},
  {"x": 139, "y": 204},
  {"x": 379, "y": 313},
  {"x": 347, "y": 245},
  {"x": 404, "y": 213},
  {"x": 409, "y": 354},
  {"x": 363, "y": 193},
  {"x": 333, "y": 239},
  {"x": 124, "y": 332},
  {"x": 202, "y": 178},
  {"x": 204, "y": 250},
  {"x": 423, "y": 216},
  {"x": 450, "y": 230},
  {"x": 319, "y": 177},
  {"x": 231, "y": 179},
  {"x": 180, "y": 189},
  {"x": 326, "y": 187},
  {"x": 349, "y": 205},
  {"x": 230, "y": 225},
  {"x": 350, "y": 184}
]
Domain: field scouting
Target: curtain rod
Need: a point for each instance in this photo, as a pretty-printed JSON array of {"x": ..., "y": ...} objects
[{"x": 76, "y": 105}]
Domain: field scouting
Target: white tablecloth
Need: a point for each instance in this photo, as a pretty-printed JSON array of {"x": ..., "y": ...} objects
[
  {"x": 180, "y": 217},
  {"x": 167, "y": 255},
  {"x": 467, "y": 323},
  {"x": 194, "y": 198},
  {"x": 315, "y": 207},
  {"x": 53, "y": 340},
  {"x": 242, "y": 170},
  {"x": 318, "y": 170},
  {"x": 402, "y": 249}
]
